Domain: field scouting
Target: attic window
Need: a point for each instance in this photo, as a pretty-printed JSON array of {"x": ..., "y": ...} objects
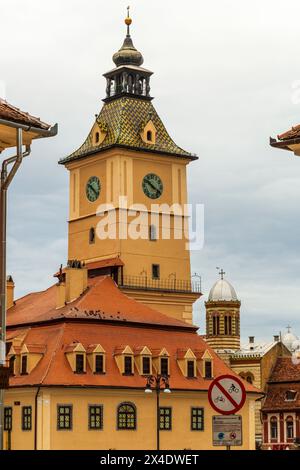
[
  {"x": 164, "y": 366},
  {"x": 97, "y": 137},
  {"x": 79, "y": 364},
  {"x": 290, "y": 395},
  {"x": 128, "y": 365},
  {"x": 149, "y": 136},
  {"x": 146, "y": 365},
  {"x": 191, "y": 369},
  {"x": 99, "y": 364},
  {"x": 208, "y": 369},
  {"x": 24, "y": 365}
]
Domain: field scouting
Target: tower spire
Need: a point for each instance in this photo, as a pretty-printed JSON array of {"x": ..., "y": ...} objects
[
  {"x": 221, "y": 272},
  {"x": 128, "y": 21}
]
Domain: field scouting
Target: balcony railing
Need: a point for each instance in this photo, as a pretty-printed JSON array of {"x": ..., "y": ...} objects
[{"x": 167, "y": 285}]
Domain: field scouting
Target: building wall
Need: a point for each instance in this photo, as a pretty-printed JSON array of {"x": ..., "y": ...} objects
[{"x": 144, "y": 437}]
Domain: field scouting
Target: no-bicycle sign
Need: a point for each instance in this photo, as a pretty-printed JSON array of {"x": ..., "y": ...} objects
[{"x": 227, "y": 394}]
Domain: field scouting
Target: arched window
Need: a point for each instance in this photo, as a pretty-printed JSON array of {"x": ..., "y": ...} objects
[
  {"x": 227, "y": 325},
  {"x": 274, "y": 428},
  {"x": 289, "y": 423},
  {"x": 92, "y": 236},
  {"x": 216, "y": 325},
  {"x": 249, "y": 378},
  {"x": 149, "y": 136},
  {"x": 126, "y": 416}
]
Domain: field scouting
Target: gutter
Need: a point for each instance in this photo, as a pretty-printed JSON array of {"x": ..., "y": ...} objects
[
  {"x": 283, "y": 144},
  {"x": 37, "y": 130}
]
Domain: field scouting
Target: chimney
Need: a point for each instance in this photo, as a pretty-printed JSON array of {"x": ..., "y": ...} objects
[
  {"x": 10, "y": 292},
  {"x": 251, "y": 339},
  {"x": 276, "y": 338},
  {"x": 73, "y": 282}
]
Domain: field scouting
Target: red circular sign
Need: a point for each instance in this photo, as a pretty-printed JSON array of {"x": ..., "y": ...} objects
[{"x": 227, "y": 394}]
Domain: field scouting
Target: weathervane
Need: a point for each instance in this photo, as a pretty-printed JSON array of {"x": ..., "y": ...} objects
[
  {"x": 222, "y": 272},
  {"x": 128, "y": 21}
]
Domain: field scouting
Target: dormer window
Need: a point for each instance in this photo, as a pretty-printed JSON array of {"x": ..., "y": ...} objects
[
  {"x": 191, "y": 369},
  {"x": 146, "y": 365},
  {"x": 290, "y": 395},
  {"x": 24, "y": 365},
  {"x": 80, "y": 364},
  {"x": 149, "y": 136},
  {"x": 128, "y": 370},
  {"x": 12, "y": 360},
  {"x": 97, "y": 137},
  {"x": 164, "y": 366},
  {"x": 99, "y": 364},
  {"x": 208, "y": 369}
]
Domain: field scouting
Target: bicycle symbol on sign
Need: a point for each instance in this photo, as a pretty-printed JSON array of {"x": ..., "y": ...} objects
[
  {"x": 234, "y": 389},
  {"x": 219, "y": 398}
]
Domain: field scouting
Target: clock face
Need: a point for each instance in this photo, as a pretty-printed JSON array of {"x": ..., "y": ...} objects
[
  {"x": 93, "y": 188},
  {"x": 152, "y": 186}
]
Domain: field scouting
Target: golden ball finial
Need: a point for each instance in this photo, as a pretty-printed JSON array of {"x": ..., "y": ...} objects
[{"x": 128, "y": 21}]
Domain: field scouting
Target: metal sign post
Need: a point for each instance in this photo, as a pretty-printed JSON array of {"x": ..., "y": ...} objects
[{"x": 227, "y": 396}]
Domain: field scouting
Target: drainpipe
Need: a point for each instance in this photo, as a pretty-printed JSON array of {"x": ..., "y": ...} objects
[
  {"x": 36, "y": 416},
  {"x": 6, "y": 179}
]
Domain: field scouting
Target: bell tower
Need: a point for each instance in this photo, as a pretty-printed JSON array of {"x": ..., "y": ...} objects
[
  {"x": 129, "y": 155},
  {"x": 223, "y": 316}
]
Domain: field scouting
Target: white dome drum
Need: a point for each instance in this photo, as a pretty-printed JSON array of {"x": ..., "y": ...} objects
[{"x": 222, "y": 290}]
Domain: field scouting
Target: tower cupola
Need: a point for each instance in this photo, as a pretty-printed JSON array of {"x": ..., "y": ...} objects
[{"x": 128, "y": 78}]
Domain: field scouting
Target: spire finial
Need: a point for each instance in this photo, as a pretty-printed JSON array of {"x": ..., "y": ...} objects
[
  {"x": 221, "y": 272},
  {"x": 289, "y": 328},
  {"x": 128, "y": 21}
]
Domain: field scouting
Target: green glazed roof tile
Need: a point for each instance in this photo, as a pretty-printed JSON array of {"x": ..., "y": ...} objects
[{"x": 123, "y": 119}]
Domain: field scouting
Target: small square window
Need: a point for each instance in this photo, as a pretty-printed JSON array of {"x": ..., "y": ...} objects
[
  {"x": 95, "y": 417},
  {"x": 155, "y": 271},
  {"x": 197, "y": 419}
]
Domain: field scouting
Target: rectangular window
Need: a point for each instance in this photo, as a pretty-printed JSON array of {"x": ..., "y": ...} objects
[
  {"x": 152, "y": 233},
  {"x": 190, "y": 369},
  {"x": 8, "y": 419},
  {"x": 12, "y": 366},
  {"x": 127, "y": 365},
  {"x": 99, "y": 364},
  {"x": 165, "y": 419},
  {"x": 155, "y": 271},
  {"x": 26, "y": 418},
  {"x": 64, "y": 417},
  {"x": 208, "y": 369},
  {"x": 24, "y": 365},
  {"x": 146, "y": 366},
  {"x": 95, "y": 417},
  {"x": 164, "y": 366},
  {"x": 197, "y": 419},
  {"x": 79, "y": 363}
]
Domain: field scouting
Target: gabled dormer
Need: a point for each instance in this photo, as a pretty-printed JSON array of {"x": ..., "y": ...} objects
[
  {"x": 76, "y": 356},
  {"x": 161, "y": 361},
  {"x": 124, "y": 358},
  {"x": 30, "y": 356},
  {"x": 143, "y": 360},
  {"x": 206, "y": 365},
  {"x": 148, "y": 133},
  {"x": 187, "y": 362},
  {"x": 96, "y": 358}
]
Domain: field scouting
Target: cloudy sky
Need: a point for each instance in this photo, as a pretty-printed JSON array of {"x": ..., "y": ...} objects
[{"x": 227, "y": 75}]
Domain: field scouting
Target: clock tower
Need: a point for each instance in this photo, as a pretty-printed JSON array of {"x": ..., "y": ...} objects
[{"x": 130, "y": 165}]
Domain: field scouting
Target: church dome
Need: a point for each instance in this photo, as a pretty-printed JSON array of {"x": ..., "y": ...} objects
[
  {"x": 289, "y": 338},
  {"x": 222, "y": 290}
]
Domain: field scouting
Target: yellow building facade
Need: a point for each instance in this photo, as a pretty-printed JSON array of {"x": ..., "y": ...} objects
[{"x": 81, "y": 352}]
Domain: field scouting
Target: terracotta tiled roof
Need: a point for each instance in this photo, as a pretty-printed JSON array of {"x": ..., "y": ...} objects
[
  {"x": 276, "y": 397},
  {"x": 11, "y": 113},
  {"x": 285, "y": 371},
  {"x": 36, "y": 348},
  {"x": 54, "y": 369},
  {"x": 124, "y": 119},
  {"x": 102, "y": 302},
  {"x": 292, "y": 133},
  {"x": 104, "y": 263}
]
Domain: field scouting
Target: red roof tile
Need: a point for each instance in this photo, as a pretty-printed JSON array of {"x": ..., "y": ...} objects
[
  {"x": 11, "y": 113},
  {"x": 292, "y": 133}
]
